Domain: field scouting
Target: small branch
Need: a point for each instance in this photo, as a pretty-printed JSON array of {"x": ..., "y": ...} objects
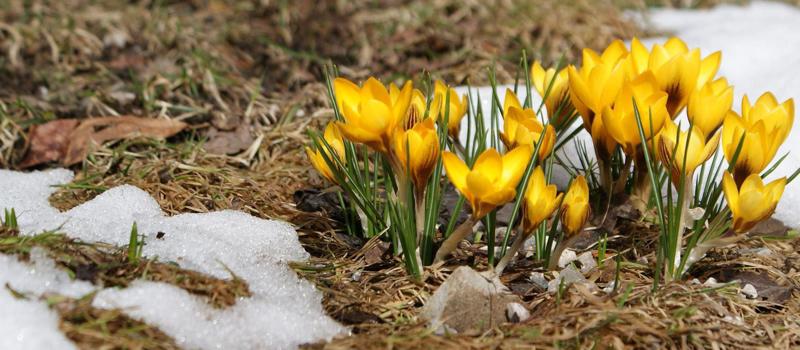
[{"x": 450, "y": 244}]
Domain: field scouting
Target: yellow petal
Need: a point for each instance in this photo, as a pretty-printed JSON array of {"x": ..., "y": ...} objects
[
  {"x": 346, "y": 91},
  {"x": 708, "y": 68},
  {"x": 489, "y": 164},
  {"x": 514, "y": 164},
  {"x": 456, "y": 171},
  {"x": 374, "y": 89},
  {"x": 509, "y": 101},
  {"x": 731, "y": 193}
]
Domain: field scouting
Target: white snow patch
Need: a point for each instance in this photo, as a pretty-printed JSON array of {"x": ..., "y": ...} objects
[
  {"x": 28, "y": 323},
  {"x": 283, "y": 312}
]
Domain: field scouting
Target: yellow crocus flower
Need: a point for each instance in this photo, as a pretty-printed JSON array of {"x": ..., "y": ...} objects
[
  {"x": 776, "y": 117},
  {"x": 417, "y": 150},
  {"x": 620, "y": 121},
  {"x": 758, "y": 148},
  {"x": 458, "y": 107},
  {"x": 594, "y": 88},
  {"x": 493, "y": 179},
  {"x": 334, "y": 138},
  {"x": 370, "y": 113},
  {"x": 678, "y": 70},
  {"x": 556, "y": 86},
  {"x": 764, "y": 126},
  {"x": 614, "y": 53},
  {"x": 673, "y": 152},
  {"x": 417, "y": 108},
  {"x": 753, "y": 201},
  {"x": 709, "y": 105},
  {"x": 575, "y": 207},
  {"x": 540, "y": 201},
  {"x": 595, "y": 85},
  {"x": 521, "y": 127}
]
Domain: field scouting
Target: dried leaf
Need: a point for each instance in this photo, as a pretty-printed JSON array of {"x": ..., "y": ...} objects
[
  {"x": 48, "y": 142},
  {"x": 767, "y": 289},
  {"x": 229, "y": 142},
  {"x": 770, "y": 227},
  {"x": 96, "y": 131}
]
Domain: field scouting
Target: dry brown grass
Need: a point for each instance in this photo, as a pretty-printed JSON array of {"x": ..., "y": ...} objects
[
  {"x": 92, "y": 328},
  {"x": 260, "y": 63},
  {"x": 381, "y": 307}
]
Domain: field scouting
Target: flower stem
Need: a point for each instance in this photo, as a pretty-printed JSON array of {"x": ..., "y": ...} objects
[
  {"x": 642, "y": 186},
  {"x": 419, "y": 211},
  {"x": 553, "y": 263},
  {"x": 682, "y": 222},
  {"x": 450, "y": 244},
  {"x": 619, "y": 186},
  {"x": 515, "y": 247},
  {"x": 605, "y": 176}
]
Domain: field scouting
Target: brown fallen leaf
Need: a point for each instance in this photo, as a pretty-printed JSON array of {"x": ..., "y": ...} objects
[
  {"x": 229, "y": 142},
  {"x": 770, "y": 227},
  {"x": 767, "y": 288},
  {"x": 96, "y": 131},
  {"x": 48, "y": 142}
]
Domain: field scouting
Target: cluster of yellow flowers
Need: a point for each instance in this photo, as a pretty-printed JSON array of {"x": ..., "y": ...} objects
[
  {"x": 609, "y": 92},
  {"x": 661, "y": 83},
  {"x": 391, "y": 121}
]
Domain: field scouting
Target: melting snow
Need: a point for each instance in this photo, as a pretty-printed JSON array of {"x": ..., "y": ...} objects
[
  {"x": 283, "y": 312},
  {"x": 29, "y": 323}
]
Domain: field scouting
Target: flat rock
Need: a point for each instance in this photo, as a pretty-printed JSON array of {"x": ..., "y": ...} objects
[{"x": 468, "y": 302}]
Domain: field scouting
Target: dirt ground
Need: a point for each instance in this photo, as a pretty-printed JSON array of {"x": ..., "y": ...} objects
[{"x": 246, "y": 77}]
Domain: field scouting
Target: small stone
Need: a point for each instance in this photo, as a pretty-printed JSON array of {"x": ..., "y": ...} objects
[
  {"x": 116, "y": 38},
  {"x": 697, "y": 213},
  {"x": 749, "y": 291},
  {"x": 695, "y": 281},
  {"x": 733, "y": 320},
  {"x": 517, "y": 313},
  {"x": 762, "y": 251},
  {"x": 538, "y": 280},
  {"x": 609, "y": 287},
  {"x": 569, "y": 275},
  {"x": 710, "y": 282},
  {"x": 588, "y": 263},
  {"x": 357, "y": 275},
  {"x": 567, "y": 257},
  {"x": 468, "y": 302},
  {"x": 123, "y": 98}
]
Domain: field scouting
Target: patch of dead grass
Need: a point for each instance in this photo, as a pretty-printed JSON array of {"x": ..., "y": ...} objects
[{"x": 92, "y": 328}]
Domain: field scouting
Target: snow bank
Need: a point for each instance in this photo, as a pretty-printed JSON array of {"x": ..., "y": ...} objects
[
  {"x": 759, "y": 44},
  {"x": 283, "y": 312}
]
